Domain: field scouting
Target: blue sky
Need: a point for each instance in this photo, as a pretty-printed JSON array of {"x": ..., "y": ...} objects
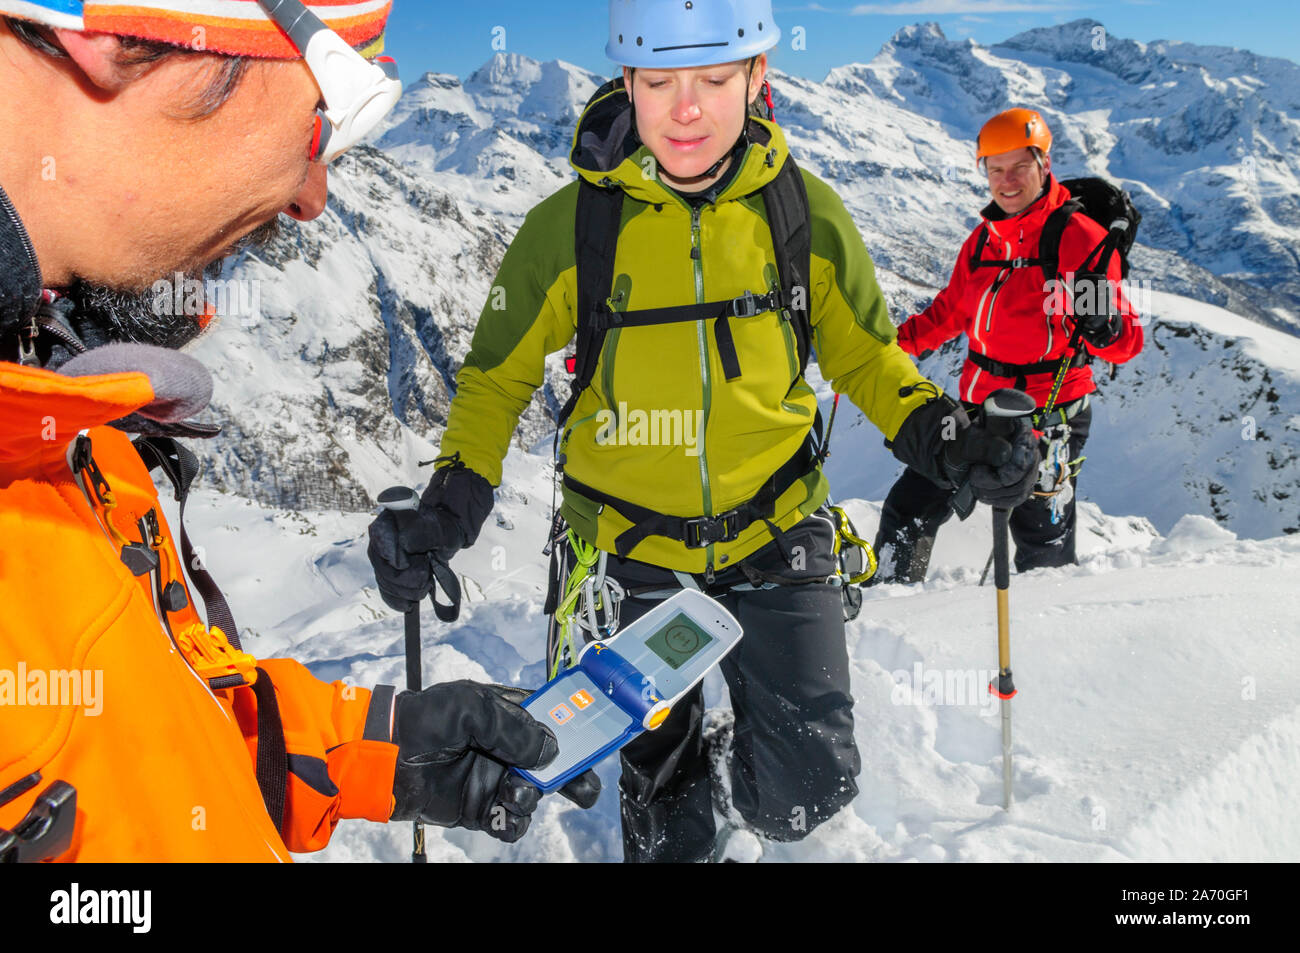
[{"x": 458, "y": 37}]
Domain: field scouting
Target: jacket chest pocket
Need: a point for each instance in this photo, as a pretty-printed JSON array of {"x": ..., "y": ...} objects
[{"x": 767, "y": 355}]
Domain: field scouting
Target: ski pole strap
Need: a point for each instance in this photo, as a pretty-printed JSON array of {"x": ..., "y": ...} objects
[
  {"x": 699, "y": 531},
  {"x": 449, "y": 583},
  {"x": 413, "y": 667},
  {"x": 1105, "y": 249}
]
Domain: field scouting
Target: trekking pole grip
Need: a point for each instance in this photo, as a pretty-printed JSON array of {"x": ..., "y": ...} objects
[{"x": 1002, "y": 409}]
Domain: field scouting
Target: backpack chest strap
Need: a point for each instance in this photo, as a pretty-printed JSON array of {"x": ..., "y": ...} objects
[{"x": 747, "y": 305}]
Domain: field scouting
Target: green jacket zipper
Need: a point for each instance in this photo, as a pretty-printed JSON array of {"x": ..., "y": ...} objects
[{"x": 701, "y": 337}]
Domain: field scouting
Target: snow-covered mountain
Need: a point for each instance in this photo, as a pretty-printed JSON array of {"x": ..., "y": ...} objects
[{"x": 368, "y": 311}]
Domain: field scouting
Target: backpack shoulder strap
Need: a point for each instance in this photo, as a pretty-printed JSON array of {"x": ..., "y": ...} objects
[
  {"x": 1049, "y": 242},
  {"x": 595, "y": 241},
  {"x": 789, "y": 219},
  {"x": 978, "y": 252}
]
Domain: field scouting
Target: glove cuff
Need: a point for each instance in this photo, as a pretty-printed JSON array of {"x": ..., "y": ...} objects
[
  {"x": 1106, "y": 335},
  {"x": 926, "y": 438},
  {"x": 379, "y": 716},
  {"x": 465, "y": 496},
  {"x": 410, "y": 781}
]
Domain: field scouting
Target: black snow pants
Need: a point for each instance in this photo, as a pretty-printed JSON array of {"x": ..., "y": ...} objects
[
  {"x": 794, "y": 758},
  {"x": 915, "y": 509}
]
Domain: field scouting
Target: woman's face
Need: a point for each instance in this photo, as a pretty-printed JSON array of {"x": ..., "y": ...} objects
[{"x": 690, "y": 118}]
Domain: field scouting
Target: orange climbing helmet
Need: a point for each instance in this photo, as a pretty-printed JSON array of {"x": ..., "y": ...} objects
[{"x": 1011, "y": 130}]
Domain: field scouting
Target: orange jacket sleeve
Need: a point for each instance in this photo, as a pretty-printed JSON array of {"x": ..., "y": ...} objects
[{"x": 341, "y": 762}]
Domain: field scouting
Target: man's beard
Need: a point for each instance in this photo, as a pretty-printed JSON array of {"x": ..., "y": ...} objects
[{"x": 102, "y": 314}]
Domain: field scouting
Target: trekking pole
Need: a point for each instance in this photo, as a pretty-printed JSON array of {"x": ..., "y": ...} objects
[
  {"x": 826, "y": 441},
  {"x": 1001, "y": 408},
  {"x": 1106, "y": 249},
  {"x": 1071, "y": 349},
  {"x": 404, "y": 498}
]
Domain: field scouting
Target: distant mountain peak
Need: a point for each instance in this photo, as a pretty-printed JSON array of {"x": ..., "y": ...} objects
[
  {"x": 503, "y": 68},
  {"x": 432, "y": 80},
  {"x": 919, "y": 35},
  {"x": 1088, "y": 41}
]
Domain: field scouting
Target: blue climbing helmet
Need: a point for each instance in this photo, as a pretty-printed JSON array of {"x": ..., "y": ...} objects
[{"x": 672, "y": 34}]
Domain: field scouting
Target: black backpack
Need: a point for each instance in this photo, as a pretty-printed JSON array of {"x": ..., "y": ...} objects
[
  {"x": 1104, "y": 203},
  {"x": 596, "y": 229}
]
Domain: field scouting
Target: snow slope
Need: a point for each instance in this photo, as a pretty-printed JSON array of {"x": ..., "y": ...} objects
[{"x": 1157, "y": 716}]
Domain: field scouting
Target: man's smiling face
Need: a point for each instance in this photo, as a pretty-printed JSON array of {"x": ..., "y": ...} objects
[{"x": 1016, "y": 179}]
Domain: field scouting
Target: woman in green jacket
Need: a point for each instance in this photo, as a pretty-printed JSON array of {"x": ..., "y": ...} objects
[{"x": 697, "y": 266}]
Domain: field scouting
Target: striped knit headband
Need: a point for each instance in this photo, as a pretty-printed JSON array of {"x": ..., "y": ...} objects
[{"x": 234, "y": 27}]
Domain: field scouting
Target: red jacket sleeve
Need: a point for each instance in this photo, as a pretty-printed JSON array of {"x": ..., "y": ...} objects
[
  {"x": 341, "y": 763},
  {"x": 945, "y": 318},
  {"x": 1076, "y": 244}
]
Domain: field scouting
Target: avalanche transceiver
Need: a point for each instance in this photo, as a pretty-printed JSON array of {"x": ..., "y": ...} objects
[{"x": 628, "y": 684}]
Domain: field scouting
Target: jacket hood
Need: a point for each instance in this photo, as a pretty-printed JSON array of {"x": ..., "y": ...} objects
[
  {"x": 607, "y": 151},
  {"x": 40, "y": 408}
]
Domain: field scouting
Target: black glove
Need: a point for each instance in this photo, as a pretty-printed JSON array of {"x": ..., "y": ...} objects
[
  {"x": 1098, "y": 322},
  {"x": 939, "y": 441},
  {"x": 920, "y": 439},
  {"x": 456, "y": 743},
  {"x": 1002, "y": 470},
  {"x": 405, "y": 543}
]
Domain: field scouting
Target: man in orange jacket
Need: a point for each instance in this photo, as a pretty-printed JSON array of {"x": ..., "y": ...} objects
[
  {"x": 143, "y": 139},
  {"x": 1018, "y": 324}
]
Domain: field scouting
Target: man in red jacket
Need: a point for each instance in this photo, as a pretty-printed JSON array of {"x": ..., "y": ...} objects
[{"x": 1018, "y": 324}]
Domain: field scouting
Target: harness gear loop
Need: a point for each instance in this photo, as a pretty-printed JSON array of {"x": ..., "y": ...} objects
[
  {"x": 590, "y": 601},
  {"x": 1056, "y": 470}
]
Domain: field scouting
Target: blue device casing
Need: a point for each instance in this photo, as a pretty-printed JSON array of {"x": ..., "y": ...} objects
[{"x": 618, "y": 680}]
